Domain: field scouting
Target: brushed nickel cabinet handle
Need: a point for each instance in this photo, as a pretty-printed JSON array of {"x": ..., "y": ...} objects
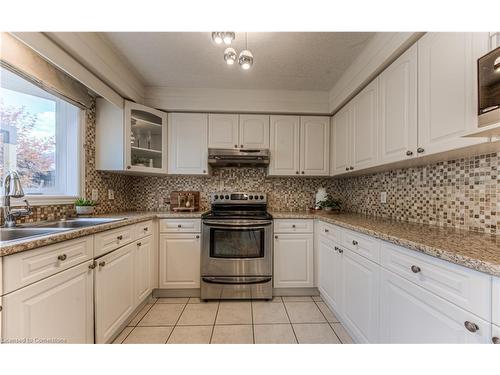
[
  {"x": 415, "y": 269},
  {"x": 62, "y": 257},
  {"x": 146, "y": 229},
  {"x": 346, "y": 168},
  {"x": 354, "y": 242},
  {"x": 139, "y": 243},
  {"x": 293, "y": 225},
  {"x": 179, "y": 226},
  {"x": 340, "y": 250},
  {"x": 276, "y": 237},
  {"x": 204, "y": 171},
  {"x": 351, "y": 168},
  {"x": 92, "y": 265},
  {"x": 197, "y": 236},
  {"x": 409, "y": 153},
  {"x": 128, "y": 167},
  {"x": 302, "y": 172},
  {"x": 235, "y": 146},
  {"x": 102, "y": 264},
  {"x": 242, "y": 146},
  {"x": 420, "y": 150},
  {"x": 471, "y": 327},
  {"x": 326, "y": 231},
  {"x": 495, "y": 340},
  {"x": 296, "y": 172},
  {"x": 119, "y": 238}
]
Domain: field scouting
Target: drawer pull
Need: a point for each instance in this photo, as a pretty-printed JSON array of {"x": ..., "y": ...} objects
[
  {"x": 62, "y": 257},
  {"x": 415, "y": 269},
  {"x": 197, "y": 236},
  {"x": 471, "y": 327},
  {"x": 146, "y": 229},
  {"x": 102, "y": 264},
  {"x": 119, "y": 238},
  {"x": 179, "y": 226},
  {"x": 92, "y": 265},
  {"x": 139, "y": 243},
  {"x": 339, "y": 250},
  {"x": 293, "y": 225},
  {"x": 495, "y": 340},
  {"x": 354, "y": 242},
  {"x": 326, "y": 231},
  {"x": 276, "y": 237}
]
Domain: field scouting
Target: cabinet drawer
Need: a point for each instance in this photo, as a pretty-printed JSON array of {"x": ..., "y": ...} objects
[
  {"x": 180, "y": 225},
  {"x": 330, "y": 231},
  {"x": 496, "y": 301},
  {"x": 113, "y": 239},
  {"x": 143, "y": 229},
  {"x": 25, "y": 268},
  {"x": 293, "y": 225},
  {"x": 466, "y": 288},
  {"x": 363, "y": 245}
]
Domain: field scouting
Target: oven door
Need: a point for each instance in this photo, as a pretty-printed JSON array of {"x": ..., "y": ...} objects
[{"x": 237, "y": 248}]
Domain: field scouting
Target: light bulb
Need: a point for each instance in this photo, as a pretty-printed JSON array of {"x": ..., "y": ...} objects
[
  {"x": 229, "y": 56},
  {"x": 246, "y": 59},
  {"x": 217, "y": 37},
  {"x": 228, "y": 37}
]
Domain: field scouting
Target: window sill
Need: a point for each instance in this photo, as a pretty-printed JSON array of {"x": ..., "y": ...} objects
[{"x": 44, "y": 200}]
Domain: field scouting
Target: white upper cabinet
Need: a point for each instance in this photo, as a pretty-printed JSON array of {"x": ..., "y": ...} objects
[
  {"x": 341, "y": 141},
  {"x": 223, "y": 131},
  {"x": 238, "y": 131},
  {"x": 188, "y": 143},
  {"x": 254, "y": 131},
  {"x": 447, "y": 89},
  {"x": 398, "y": 109},
  {"x": 139, "y": 135},
  {"x": 284, "y": 145},
  {"x": 315, "y": 145},
  {"x": 365, "y": 127}
]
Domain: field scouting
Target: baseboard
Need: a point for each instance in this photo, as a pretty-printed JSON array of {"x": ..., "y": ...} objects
[
  {"x": 163, "y": 293},
  {"x": 295, "y": 292}
]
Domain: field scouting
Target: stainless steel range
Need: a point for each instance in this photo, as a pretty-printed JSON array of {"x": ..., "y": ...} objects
[{"x": 237, "y": 247}]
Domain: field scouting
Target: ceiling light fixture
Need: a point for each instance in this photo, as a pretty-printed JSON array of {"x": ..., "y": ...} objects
[
  {"x": 229, "y": 56},
  {"x": 217, "y": 37},
  {"x": 228, "y": 37},
  {"x": 246, "y": 57}
]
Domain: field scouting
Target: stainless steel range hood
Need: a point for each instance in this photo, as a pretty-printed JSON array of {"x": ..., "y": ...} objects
[{"x": 221, "y": 157}]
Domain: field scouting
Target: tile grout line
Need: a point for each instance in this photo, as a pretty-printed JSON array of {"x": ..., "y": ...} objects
[
  {"x": 136, "y": 325},
  {"x": 253, "y": 325},
  {"x": 288, "y": 316},
  {"x": 177, "y": 321},
  {"x": 329, "y": 323},
  {"x": 213, "y": 326}
]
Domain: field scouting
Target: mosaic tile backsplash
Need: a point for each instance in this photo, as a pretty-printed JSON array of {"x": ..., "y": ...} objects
[{"x": 462, "y": 193}]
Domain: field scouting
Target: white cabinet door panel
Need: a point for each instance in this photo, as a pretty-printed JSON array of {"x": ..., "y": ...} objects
[
  {"x": 314, "y": 145},
  {"x": 143, "y": 270},
  {"x": 360, "y": 297},
  {"x": 284, "y": 145},
  {"x": 365, "y": 127},
  {"x": 114, "y": 291},
  {"x": 188, "y": 143},
  {"x": 410, "y": 314},
  {"x": 398, "y": 109},
  {"x": 254, "y": 131},
  {"x": 180, "y": 261},
  {"x": 59, "y": 308},
  {"x": 223, "y": 131},
  {"x": 341, "y": 153},
  {"x": 293, "y": 261},
  {"x": 330, "y": 272},
  {"x": 496, "y": 301},
  {"x": 447, "y": 88}
]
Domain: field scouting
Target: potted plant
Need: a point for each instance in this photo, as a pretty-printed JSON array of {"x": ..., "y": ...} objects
[
  {"x": 84, "y": 206},
  {"x": 330, "y": 204}
]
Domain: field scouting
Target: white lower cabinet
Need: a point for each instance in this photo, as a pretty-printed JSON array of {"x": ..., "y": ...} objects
[
  {"x": 143, "y": 268},
  {"x": 360, "y": 297},
  {"x": 293, "y": 260},
  {"x": 330, "y": 272},
  {"x": 180, "y": 260},
  {"x": 411, "y": 314},
  {"x": 495, "y": 299},
  {"x": 57, "y": 309},
  {"x": 114, "y": 291}
]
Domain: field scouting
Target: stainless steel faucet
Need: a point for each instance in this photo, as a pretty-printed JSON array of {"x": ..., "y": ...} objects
[{"x": 14, "y": 189}]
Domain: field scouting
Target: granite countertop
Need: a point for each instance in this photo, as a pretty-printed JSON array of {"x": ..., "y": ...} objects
[
  {"x": 478, "y": 251},
  {"x": 132, "y": 217}
]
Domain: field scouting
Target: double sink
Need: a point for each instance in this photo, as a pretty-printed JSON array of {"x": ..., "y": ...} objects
[{"x": 25, "y": 231}]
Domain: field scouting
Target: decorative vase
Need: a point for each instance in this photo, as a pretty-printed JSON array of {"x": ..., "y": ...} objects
[
  {"x": 320, "y": 195},
  {"x": 84, "y": 210}
]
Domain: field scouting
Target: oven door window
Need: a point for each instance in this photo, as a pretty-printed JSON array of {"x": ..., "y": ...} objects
[{"x": 236, "y": 243}]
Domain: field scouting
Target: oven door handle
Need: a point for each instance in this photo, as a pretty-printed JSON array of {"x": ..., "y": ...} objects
[
  {"x": 236, "y": 224},
  {"x": 236, "y": 280}
]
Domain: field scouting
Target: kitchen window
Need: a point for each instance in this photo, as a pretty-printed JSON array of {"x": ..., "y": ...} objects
[{"x": 40, "y": 139}]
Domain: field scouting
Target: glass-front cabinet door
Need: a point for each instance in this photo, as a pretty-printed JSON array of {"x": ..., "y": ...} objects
[{"x": 146, "y": 137}]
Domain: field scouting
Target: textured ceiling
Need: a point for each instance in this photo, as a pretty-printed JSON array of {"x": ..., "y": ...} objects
[{"x": 283, "y": 61}]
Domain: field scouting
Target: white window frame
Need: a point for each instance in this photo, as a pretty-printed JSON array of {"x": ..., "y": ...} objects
[{"x": 74, "y": 181}]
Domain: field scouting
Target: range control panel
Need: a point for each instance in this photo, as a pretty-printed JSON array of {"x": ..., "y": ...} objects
[{"x": 226, "y": 197}]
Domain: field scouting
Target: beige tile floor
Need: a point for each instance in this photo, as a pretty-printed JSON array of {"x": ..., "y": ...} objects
[{"x": 284, "y": 320}]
